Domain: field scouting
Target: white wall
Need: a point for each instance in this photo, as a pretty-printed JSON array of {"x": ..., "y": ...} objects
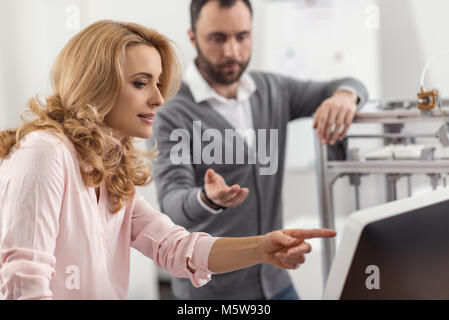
[
  {"x": 412, "y": 32},
  {"x": 2, "y": 96},
  {"x": 32, "y": 33}
]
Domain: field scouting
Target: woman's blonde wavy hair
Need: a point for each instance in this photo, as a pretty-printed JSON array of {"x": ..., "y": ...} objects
[{"x": 86, "y": 79}]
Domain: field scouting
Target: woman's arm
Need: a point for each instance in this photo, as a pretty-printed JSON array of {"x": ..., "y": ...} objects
[
  {"x": 197, "y": 255},
  {"x": 282, "y": 248},
  {"x": 30, "y": 207}
]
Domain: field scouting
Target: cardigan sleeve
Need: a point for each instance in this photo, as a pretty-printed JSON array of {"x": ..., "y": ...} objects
[
  {"x": 307, "y": 96},
  {"x": 304, "y": 97}
]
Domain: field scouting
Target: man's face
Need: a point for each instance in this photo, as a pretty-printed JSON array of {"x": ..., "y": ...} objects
[{"x": 223, "y": 41}]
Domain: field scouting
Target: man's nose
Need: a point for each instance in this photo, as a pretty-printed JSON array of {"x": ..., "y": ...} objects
[{"x": 231, "y": 48}]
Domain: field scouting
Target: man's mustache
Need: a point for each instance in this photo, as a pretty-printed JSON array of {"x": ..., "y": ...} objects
[{"x": 230, "y": 63}]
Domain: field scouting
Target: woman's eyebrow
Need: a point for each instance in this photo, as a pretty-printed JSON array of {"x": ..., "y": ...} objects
[
  {"x": 149, "y": 75},
  {"x": 146, "y": 74}
]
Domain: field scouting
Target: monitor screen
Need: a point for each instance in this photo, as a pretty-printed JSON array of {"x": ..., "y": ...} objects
[{"x": 399, "y": 250}]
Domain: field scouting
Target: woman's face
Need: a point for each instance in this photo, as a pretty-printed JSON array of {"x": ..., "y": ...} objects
[{"x": 139, "y": 98}]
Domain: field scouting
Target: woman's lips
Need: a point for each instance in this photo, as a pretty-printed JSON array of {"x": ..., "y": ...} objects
[
  {"x": 147, "y": 118},
  {"x": 147, "y": 121}
]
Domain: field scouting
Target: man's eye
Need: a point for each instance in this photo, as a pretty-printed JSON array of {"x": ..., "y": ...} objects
[
  {"x": 218, "y": 39},
  {"x": 242, "y": 37},
  {"x": 139, "y": 84}
]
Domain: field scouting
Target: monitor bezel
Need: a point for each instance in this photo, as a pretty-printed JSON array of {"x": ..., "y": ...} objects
[{"x": 354, "y": 227}]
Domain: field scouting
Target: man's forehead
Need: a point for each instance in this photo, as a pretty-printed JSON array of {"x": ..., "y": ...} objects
[{"x": 214, "y": 18}]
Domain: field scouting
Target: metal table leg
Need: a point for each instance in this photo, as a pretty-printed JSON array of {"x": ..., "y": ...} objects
[{"x": 325, "y": 205}]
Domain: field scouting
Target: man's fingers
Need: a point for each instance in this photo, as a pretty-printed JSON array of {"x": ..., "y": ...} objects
[
  {"x": 330, "y": 123},
  {"x": 348, "y": 121},
  {"x": 238, "y": 198},
  {"x": 344, "y": 132},
  {"x": 229, "y": 193},
  {"x": 210, "y": 176},
  {"x": 321, "y": 123},
  {"x": 315, "y": 118},
  {"x": 338, "y": 126},
  {"x": 334, "y": 134}
]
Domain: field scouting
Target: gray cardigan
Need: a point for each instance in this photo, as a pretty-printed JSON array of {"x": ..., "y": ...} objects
[{"x": 277, "y": 100}]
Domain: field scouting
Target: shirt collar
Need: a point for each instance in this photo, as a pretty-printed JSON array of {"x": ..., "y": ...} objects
[{"x": 202, "y": 91}]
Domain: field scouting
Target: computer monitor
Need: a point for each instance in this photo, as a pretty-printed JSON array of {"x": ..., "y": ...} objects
[{"x": 398, "y": 250}]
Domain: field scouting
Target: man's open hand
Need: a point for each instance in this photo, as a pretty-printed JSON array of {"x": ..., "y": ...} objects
[{"x": 220, "y": 193}]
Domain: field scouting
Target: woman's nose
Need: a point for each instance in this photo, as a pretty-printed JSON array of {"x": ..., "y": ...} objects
[{"x": 156, "y": 99}]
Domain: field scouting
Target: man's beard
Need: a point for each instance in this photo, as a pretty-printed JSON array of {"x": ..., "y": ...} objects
[{"x": 217, "y": 73}]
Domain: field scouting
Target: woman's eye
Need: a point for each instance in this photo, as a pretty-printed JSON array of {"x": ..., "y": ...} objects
[
  {"x": 139, "y": 84},
  {"x": 159, "y": 85}
]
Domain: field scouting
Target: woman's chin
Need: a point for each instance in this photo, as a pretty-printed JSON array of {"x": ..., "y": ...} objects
[{"x": 144, "y": 135}]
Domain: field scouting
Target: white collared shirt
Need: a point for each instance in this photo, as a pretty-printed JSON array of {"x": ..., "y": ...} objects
[{"x": 236, "y": 111}]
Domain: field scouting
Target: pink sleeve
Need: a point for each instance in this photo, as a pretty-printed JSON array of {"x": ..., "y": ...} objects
[
  {"x": 30, "y": 203},
  {"x": 170, "y": 246}
]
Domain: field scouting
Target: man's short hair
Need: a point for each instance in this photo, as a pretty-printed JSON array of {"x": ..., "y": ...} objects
[{"x": 197, "y": 5}]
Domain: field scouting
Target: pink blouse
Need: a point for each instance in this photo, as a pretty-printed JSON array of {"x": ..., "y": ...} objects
[{"x": 57, "y": 242}]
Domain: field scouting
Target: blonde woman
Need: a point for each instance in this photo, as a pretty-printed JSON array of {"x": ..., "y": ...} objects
[{"x": 69, "y": 209}]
